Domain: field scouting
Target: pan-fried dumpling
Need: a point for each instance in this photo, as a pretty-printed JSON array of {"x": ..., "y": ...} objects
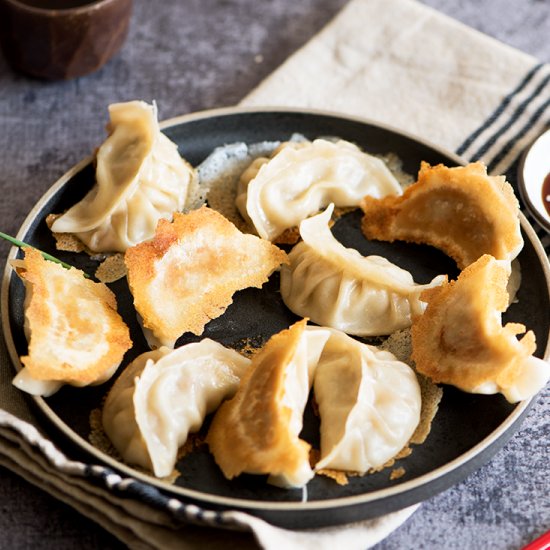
[
  {"x": 336, "y": 287},
  {"x": 187, "y": 274},
  {"x": 462, "y": 211},
  {"x": 74, "y": 331},
  {"x": 302, "y": 178},
  {"x": 369, "y": 404},
  {"x": 460, "y": 339},
  {"x": 141, "y": 178},
  {"x": 164, "y": 395},
  {"x": 257, "y": 432}
]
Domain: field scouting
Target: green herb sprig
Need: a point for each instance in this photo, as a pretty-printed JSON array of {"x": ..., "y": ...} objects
[{"x": 45, "y": 255}]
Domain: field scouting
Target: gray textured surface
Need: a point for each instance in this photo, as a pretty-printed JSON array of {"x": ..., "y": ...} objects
[{"x": 195, "y": 55}]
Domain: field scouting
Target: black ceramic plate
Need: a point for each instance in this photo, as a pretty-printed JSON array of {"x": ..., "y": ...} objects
[{"x": 467, "y": 430}]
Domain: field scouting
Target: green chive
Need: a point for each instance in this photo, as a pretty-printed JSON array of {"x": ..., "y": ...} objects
[{"x": 45, "y": 255}]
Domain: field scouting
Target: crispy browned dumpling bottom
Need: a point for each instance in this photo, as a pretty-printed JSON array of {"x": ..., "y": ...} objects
[{"x": 462, "y": 211}]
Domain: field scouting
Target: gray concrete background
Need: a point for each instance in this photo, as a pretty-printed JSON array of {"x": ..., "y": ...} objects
[{"x": 200, "y": 54}]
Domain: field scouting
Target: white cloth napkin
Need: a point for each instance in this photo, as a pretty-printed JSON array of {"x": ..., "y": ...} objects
[{"x": 395, "y": 62}]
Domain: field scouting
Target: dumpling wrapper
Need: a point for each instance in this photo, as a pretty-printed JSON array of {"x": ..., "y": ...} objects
[
  {"x": 74, "y": 332},
  {"x": 460, "y": 339},
  {"x": 164, "y": 395},
  {"x": 369, "y": 404},
  {"x": 257, "y": 432},
  {"x": 187, "y": 274},
  {"x": 141, "y": 178},
  {"x": 335, "y": 286},
  {"x": 302, "y": 178},
  {"x": 462, "y": 211}
]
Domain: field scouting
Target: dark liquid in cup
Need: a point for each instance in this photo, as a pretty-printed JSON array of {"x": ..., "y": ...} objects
[
  {"x": 546, "y": 193},
  {"x": 56, "y": 4}
]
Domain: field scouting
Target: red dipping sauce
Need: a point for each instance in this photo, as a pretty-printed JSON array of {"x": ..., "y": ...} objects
[{"x": 546, "y": 193}]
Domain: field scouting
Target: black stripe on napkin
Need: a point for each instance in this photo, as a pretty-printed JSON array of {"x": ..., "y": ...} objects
[
  {"x": 499, "y": 110},
  {"x": 152, "y": 496},
  {"x": 516, "y": 115},
  {"x": 529, "y": 124}
]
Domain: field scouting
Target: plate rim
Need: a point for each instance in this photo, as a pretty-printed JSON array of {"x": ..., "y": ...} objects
[{"x": 248, "y": 504}]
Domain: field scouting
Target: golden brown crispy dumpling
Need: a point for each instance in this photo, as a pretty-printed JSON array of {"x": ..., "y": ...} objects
[
  {"x": 257, "y": 432},
  {"x": 460, "y": 339},
  {"x": 75, "y": 334},
  {"x": 187, "y": 274},
  {"x": 460, "y": 210}
]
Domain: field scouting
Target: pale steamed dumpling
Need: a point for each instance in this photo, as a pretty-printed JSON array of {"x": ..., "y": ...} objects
[
  {"x": 140, "y": 179},
  {"x": 336, "y": 287},
  {"x": 369, "y": 404},
  {"x": 164, "y": 395},
  {"x": 302, "y": 178}
]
